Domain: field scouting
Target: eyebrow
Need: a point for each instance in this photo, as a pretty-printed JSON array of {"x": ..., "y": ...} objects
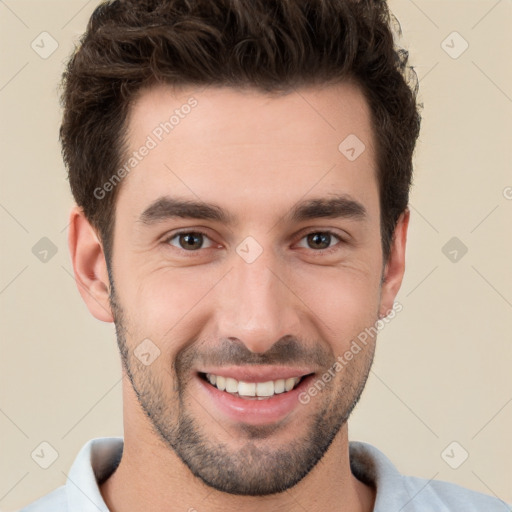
[
  {"x": 167, "y": 207},
  {"x": 338, "y": 206}
]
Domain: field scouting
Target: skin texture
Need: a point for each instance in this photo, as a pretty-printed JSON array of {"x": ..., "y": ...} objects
[{"x": 297, "y": 304}]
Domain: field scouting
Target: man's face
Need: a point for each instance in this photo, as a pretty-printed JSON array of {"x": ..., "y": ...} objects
[{"x": 266, "y": 286}]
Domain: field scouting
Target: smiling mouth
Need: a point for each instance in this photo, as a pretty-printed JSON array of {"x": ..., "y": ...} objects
[{"x": 252, "y": 390}]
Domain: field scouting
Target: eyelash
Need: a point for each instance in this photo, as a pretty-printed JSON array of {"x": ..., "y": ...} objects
[{"x": 328, "y": 250}]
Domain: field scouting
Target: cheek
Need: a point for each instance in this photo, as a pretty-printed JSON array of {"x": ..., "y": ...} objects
[
  {"x": 344, "y": 302},
  {"x": 162, "y": 303}
]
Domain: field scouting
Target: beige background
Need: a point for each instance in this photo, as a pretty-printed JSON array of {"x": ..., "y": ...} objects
[{"x": 442, "y": 368}]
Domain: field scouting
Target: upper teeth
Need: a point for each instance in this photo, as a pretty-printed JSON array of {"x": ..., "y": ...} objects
[{"x": 268, "y": 388}]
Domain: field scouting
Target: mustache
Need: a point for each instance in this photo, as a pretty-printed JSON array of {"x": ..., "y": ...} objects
[{"x": 232, "y": 352}]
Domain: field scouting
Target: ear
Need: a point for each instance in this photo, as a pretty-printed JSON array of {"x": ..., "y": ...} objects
[
  {"x": 89, "y": 265},
  {"x": 395, "y": 266}
]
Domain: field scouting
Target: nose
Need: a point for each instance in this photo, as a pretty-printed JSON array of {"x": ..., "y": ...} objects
[{"x": 256, "y": 305}]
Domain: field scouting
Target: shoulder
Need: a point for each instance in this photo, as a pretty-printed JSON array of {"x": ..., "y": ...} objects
[
  {"x": 54, "y": 501},
  {"x": 447, "y": 497},
  {"x": 95, "y": 461},
  {"x": 414, "y": 494}
]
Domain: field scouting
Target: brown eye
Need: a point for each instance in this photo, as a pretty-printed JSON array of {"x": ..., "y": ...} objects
[
  {"x": 189, "y": 241},
  {"x": 319, "y": 240}
]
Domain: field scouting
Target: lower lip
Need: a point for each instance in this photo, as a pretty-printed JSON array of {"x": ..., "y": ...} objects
[{"x": 254, "y": 411}]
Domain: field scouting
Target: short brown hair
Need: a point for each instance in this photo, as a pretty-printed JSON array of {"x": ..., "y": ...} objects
[{"x": 269, "y": 45}]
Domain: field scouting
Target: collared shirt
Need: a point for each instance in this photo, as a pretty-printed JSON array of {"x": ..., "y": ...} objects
[{"x": 99, "y": 457}]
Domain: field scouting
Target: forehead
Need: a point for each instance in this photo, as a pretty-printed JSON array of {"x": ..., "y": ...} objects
[
  {"x": 246, "y": 146},
  {"x": 226, "y": 115}
]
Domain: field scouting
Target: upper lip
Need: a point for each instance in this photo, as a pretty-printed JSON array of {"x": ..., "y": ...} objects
[{"x": 258, "y": 373}]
